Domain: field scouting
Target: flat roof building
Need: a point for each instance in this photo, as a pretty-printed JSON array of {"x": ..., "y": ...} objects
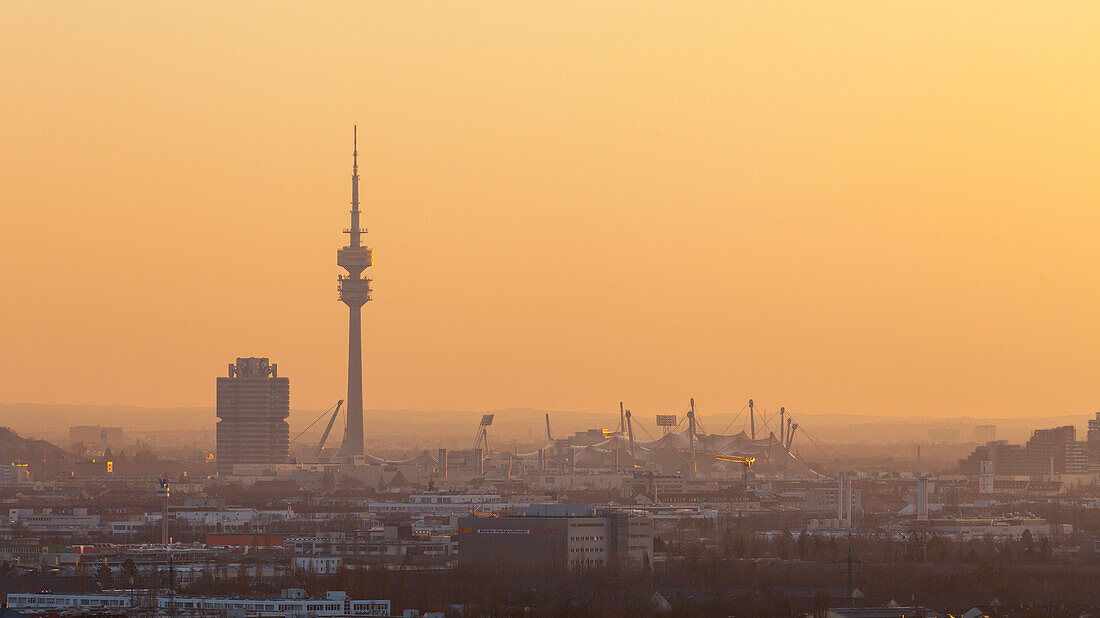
[
  {"x": 556, "y": 537},
  {"x": 334, "y": 603},
  {"x": 1006, "y": 459},
  {"x": 1056, "y": 451},
  {"x": 253, "y": 404},
  {"x": 1093, "y": 436}
]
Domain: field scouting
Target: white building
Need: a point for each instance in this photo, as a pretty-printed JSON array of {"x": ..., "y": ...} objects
[
  {"x": 322, "y": 565},
  {"x": 441, "y": 505},
  {"x": 335, "y": 603},
  {"x": 56, "y": 602},
  {"x": 14, "y": 474},
  {"x": 78, "y": 522},
  {"x": 1011, "y": 526}
]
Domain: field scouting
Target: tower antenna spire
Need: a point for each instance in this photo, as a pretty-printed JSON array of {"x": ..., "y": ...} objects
[{"x": 354, "y": 230}]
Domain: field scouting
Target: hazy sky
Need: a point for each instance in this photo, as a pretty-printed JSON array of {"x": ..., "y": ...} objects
[{"x": 880, "y": 207}]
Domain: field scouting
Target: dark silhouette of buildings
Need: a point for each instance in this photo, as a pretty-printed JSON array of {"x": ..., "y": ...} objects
[
  {"x": 1048, "y": 452},
  {"x": 1056, "y": 451},
  {"x": 1094, "y": 442},
  {"x": 1006, "y": 459}
]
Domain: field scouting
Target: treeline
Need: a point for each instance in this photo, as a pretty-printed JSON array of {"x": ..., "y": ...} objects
[
  {"x": 694, "y": 582},
  {"x": 729, "y": 568}
]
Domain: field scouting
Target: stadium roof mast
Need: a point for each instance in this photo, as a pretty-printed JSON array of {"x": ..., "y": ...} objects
[
  {"x": 630, "y": 433},
  {"x": 691, "y": 435},
  {"x": 355, "y": 291},
  {"x": 752, "y": 421},
  {"x": 481, "y": 438}
]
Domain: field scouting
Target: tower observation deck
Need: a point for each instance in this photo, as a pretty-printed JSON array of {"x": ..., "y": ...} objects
[{"x": 354, "y": 292}]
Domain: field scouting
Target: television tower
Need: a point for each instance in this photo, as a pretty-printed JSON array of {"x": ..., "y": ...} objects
[{"x": 354, "y": 291}]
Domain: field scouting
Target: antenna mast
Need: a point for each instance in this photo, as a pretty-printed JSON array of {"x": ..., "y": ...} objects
[{"x": 355, "y": 291}]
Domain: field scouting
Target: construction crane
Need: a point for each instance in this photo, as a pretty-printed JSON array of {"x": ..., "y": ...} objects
[
  {"x": 746, "y": 463},
  {"x": 328, "y": 428},
  {"x": 334, "y": 410}
]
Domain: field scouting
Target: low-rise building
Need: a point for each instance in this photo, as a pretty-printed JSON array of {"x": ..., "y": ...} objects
[
  {"x": 77, "y": 522},
  {"x": 334, "y": 603},
  {"x": 321, "y": 565},
  {"x": 981, "y": 527},
  {"x": 14, "y": 474},
  {"x": 58, "y": 602},
  {"x": 557, "y": 536}
]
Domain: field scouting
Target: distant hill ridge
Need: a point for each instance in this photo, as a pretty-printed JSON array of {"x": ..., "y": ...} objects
[
  {"x": 15, "y": 448},
  {"x": 40, "y": 418}
]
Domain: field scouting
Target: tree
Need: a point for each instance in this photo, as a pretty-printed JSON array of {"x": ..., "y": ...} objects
[
  {"x": 103, "y": 576},
  {"x": 821, "y": 605},
  {"x": 129, "y": 572},
  {"x": 1045, "y": 547},
  {"x": 242, "y": 579},
  {"x": 1028, "y": 543}
]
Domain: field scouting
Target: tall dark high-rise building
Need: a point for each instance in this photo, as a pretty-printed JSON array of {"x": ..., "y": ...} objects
[
  {"x": 1056, "y": 451},
  {"x": 985, "y": 433},
  {"x": 1094, "y": 442},
  {"x": 253, "y": 404},
  {"x": 1005, "y": 459},
  {"x": 355, "y": 291}
]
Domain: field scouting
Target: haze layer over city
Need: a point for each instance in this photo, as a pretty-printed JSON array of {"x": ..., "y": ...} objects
[{"x": 407, "y": 298}]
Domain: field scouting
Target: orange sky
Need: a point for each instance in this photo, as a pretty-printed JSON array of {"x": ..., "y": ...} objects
[{"x": 839, "y": 207}]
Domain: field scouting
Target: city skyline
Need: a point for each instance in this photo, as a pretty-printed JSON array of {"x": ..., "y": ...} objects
[
  {"x": 571, "y": 206},
  {"x": 690, "y": 308}
]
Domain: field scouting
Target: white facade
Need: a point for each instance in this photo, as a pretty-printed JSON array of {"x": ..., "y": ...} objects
[
  {"x": 68, "y": 601},
  {"x": 322, "y": 565},
  {"x": 438, "y": 508},
  {"x": 985, "y": 477},
  {"x": 53, "y": 522},
  {"x": 130, "y": 528},
  {"x": 587, "y": 544},
  {"x": 334, "y": 604},
  {"x": 1002, "y": 527},
  {"x": 15, "y": 474}
]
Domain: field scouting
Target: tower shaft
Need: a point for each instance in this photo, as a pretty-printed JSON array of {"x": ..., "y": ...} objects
[{"x": 353, "y": 439}]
